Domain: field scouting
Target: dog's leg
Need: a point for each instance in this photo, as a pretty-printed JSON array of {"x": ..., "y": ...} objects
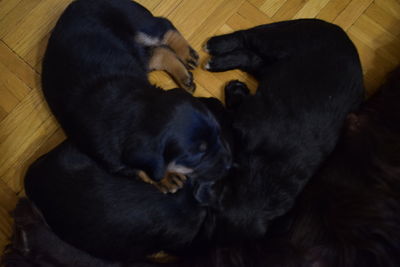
[
  {"x": 239, "y": 59},
  {"x": 223, "y": 44},
  {"x": 181, "y": 47},
  {"x": 163, "y": 58},
  {"x": 171, "y": 183},
  {"x": 235, "y": 91},
  {"x": 161, "y": 32},
  {"x": 257, "y": 39}
]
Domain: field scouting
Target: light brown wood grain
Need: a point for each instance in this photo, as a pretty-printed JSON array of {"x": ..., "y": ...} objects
[
  {"x": 351, "y": 13},
  {"x": 28, "y": 130},
  {"x": 333, "y": 9},
  {"x": 311, "y": 9}
]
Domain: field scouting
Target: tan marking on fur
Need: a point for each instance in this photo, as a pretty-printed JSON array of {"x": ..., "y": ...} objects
[
  {"x": 164, "y": 59},
  {"x": 175, "y": 40},
  {"x": 162, "y": 257},
  {"x": 171, "y": 182},
  {"x": 145, "y": 178}
]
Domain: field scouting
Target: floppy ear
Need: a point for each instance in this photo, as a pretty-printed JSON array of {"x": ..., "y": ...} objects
[{"x": 204, "y": 193}]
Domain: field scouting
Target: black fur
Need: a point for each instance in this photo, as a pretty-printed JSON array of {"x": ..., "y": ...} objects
[
  {"x": 110, "y": 217},
  {"x": 348, "y": 215},
  {"x": 95, "y": 82},
  {"x": 309, "y": 78},
  {"x": 283, "y": 134}
]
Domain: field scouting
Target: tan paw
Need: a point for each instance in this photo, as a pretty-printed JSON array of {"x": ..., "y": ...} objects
[{"x": 171, "y": 183}]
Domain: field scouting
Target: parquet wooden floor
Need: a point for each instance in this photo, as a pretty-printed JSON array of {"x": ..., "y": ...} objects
[{"x": 27, "y": 128}]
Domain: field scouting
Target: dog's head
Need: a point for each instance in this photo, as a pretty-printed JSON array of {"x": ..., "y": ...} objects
[{"x": 180, "y": 134}]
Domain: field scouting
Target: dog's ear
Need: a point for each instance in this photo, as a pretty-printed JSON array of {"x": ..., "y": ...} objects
[
  {"x": 210, "y": 192},
  {"x": 204, "y": 192}
]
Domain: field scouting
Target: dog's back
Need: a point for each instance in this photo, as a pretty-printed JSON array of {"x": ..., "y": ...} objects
[
  {"x": 349, "y": 213},
  {"x": 109, "y": 216},
  {"x": 310, "y": 78}
]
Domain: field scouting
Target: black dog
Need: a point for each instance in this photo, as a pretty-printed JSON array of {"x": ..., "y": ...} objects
[
  {"x": 348, "y": 215},
  {"x": 309, "y": 78},
  {"x": 109, "y": 216},
  {"x": 95, "y": 81}
]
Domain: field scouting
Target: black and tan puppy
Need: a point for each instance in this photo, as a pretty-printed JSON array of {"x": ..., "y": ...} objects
[
  {"x": 309, "y": 78},
  {"x": 95, "y": 81}
]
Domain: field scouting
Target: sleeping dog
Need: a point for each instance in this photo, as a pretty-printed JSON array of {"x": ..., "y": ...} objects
[
  {"x": 106, "y": 215},
  {"x": 309, "y": 78},
  {"x": 348, "y": 215},
  {"x": 109, "y": 216},
  {"x": 95, "y": 82}
]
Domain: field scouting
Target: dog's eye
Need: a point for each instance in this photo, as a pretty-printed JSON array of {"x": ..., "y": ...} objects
[{"x": 203, "y": 146}]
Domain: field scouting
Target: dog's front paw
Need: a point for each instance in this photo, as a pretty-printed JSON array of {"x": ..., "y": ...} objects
[
  {"x": 186, "y": 54},
  {"x": 192, "y": 61},
  {"x": 187, "y": 83},
  {"x": 223, "y": 62},
  {"x": 222, "y": 44},
  {"x": 171, "y": 183},
  {"x": 215, "y": 45},
  {"x": 214, "y": 64},
  {"x": 235, "y": 91}
]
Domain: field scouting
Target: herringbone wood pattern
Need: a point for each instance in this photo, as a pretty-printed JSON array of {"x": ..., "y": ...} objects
[{"x": 27, "y": 128}]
